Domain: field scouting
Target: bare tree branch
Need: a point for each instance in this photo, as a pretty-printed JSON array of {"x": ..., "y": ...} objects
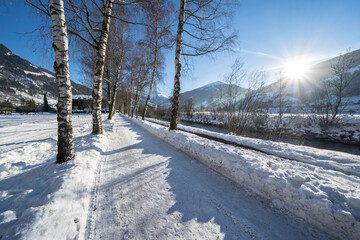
[{"x": 43, "y": 9}]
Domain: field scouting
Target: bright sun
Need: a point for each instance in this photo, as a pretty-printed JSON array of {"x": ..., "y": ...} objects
[{"x": 295, "y": 69}]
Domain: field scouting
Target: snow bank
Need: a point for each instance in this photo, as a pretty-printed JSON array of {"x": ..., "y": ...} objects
[
  {"x": 41, "y": 199},
  {"x": 327, "y": 159},
  {"x": 326, "y": 198}
]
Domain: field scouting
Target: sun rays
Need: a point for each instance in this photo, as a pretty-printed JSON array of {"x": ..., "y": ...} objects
[{"x": 296, "y": 69}]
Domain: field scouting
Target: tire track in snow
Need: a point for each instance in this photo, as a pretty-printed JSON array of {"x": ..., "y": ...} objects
[
  {"x": 90, "y": 225},
  {"x": 93, "y": 206},
  {"x": 236, "y": 221}
]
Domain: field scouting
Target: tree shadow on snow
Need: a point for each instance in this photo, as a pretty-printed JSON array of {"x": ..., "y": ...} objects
[
  {"x": 29, "y": 190},
  {"x": 33, "y": 188},
  {"x": 200, "y": 193}
]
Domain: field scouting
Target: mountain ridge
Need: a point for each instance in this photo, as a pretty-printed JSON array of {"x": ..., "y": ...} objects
[
  {"x": 21, "y": 80},
  {"x": 292, "y": 91}
]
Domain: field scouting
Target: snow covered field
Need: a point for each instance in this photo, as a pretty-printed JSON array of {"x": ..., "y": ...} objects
[
  {"x": 38, "y": 198},
  {"x": 128, "y": 184}
]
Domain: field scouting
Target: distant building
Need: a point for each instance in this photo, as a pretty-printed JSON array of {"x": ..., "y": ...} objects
[
  {"x": 81, "y": 103},
  {"x": 53, "y": 107},
  {"x": 6, "y": 110},
  {"x": 6, "y": 107}
]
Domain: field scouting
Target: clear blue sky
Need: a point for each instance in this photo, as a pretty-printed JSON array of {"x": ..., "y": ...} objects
[{"x": 270, "y": 33}]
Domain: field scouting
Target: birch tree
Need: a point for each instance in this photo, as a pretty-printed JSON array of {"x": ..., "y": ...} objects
[
  {"x": 90, "y": 22},
  {"x": 176, "y": 93},
  {"x": 140, "y": 75},
  {"x": 205, "y": 24},
  {"x": 55, "y": 10},
  {"x": 158, "y": 15},
  {"x": 131, "y": 77},
  {"x": 61, "y": 67},
  {"x": 115, "y": 62}
]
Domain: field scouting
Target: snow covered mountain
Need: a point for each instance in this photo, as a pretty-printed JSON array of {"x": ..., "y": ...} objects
[
  {"x": 21, "y": 80},
  {"x": 202, "y": 96},
  {"x": 160, "y": 99},
  {"x": 207, "y": 94}
]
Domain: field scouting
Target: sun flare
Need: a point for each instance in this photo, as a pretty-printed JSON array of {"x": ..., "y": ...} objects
[{"x": 295, "y": 69}]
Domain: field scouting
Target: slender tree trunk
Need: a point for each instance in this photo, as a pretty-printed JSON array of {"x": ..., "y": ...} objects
[
  {"x": 155, "y": 62},
  {"x": 99, "y": 70},
  {"x": 280, "y": 103},
  {"x": 152, "y": 78},
  {"x": 116, "y": 84},
  {"x": 176, "y": 94},
  {"x": 336, "y": 107},
  {"x": 136, "y": 99},
  {"x": 112, "y": 102},
  {"x": 131, "y": 95},
  {"x": 109, "y": 94},
  {"x": 61, "y": 68},
  {"x": 108, "y": 83}
]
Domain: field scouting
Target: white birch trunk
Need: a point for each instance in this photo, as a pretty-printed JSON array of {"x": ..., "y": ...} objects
[
  {"x": 176, "y": 94},
  {"x": 99, "y": 70},
  {"x": 131, "y": 95},
  {"x": 137, "y": 103},
  {"x": 152, "y": 78},
  {"x": 61, "y": 68},
  {"x": 155, "y": 62},
  {"x": 109, "y": 87},
  {"x": 116, "y": 84},
  {"x": 136, "y": 98},
  {"x": 112, "y": 101}
]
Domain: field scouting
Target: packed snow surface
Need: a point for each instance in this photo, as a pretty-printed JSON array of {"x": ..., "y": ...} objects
[
  {"x": 150, "y": 190},
  {"x": 320, "y": 186},
  {"x": 129, "y": 184}
]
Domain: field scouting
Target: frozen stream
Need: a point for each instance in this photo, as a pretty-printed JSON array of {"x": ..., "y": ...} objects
[{"x": 341, "y": 147}]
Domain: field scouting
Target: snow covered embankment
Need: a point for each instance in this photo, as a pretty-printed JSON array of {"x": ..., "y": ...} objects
[
  {"x": 325, "y": 198},
  {"x": 331, "y": 160},
  {"x": 346, "y": 129}
]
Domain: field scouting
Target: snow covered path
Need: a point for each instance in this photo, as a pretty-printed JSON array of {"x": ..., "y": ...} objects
[{"x": 149, "y": 190}]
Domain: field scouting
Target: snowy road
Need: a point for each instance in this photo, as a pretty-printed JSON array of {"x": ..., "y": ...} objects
[{"x": 149, "y": 190}]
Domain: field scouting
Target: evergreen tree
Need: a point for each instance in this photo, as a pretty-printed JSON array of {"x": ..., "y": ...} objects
[{"x": 45, "y": 105}]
